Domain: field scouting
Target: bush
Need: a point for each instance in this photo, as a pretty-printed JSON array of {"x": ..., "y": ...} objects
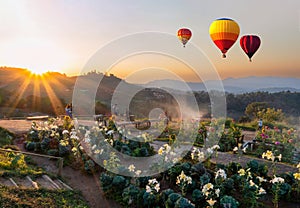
[
  {"x": 30, "y": 146},
  {"x": 228, "y": 201},
  {"x": 170, "y": 203},
  {"x": 106, "y": 181},
  {"x": 164, "y": 195},
  {"x": 6, "y": 137},
  {"x": 183, "y": 203},
  {"x": 130, "y": 196},
  {"x": 198, "y": 198},
  {"x": 45, "y": 144},
  {"x": 149, "y": 199}
]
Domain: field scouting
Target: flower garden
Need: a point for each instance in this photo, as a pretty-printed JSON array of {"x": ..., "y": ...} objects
[{"x": 192, "y": 179}]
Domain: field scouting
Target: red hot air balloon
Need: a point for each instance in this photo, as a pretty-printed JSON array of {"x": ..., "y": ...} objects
[
  {"x": 184, "y": 35},
  {"x": 250, "y": 44}
]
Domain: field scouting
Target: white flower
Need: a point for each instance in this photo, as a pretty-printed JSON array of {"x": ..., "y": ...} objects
[
  {"x": 209, "y": 151},
  {"x": 217, "y": 192},
  {"x": 189, "y": 180},
  {"x": 65, "y": 132},
  {"x": 261, "y": 179},
  {"x": 74, "y": 137},
  {"x": 131, "y": 168},
  {"x": 277, "y": 180},
  {"x": 148, "y": 189},
  {"x": 175, "y": 160},
  {"x": 235, "y": 149},
  {"x": 207, "y": 187},
  {"x": 138, "y": 172},
  {"x": 241, "y": 172},
  {"x": 167, "y": 148},
  {"x": 252, "y": 183},
  {"x": 152, "y": 181},
  {"x": 261, "y": 191},
  {"x": 279, "y": 157},
  {"x": 201, "y": 156},
  {"x": 215, "y": 147},
  {"x": 97, "y": 151},
  {"x": 110, "y": 132},
  {"x": 156, "y": 187},
  {"x": 221, "y": 173},
  {"x": 161, "y": 151},
  {"x": 211, "y": 202}
]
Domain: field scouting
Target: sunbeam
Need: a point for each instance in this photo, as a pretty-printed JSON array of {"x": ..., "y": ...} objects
[{"x": 57, "y": 106}]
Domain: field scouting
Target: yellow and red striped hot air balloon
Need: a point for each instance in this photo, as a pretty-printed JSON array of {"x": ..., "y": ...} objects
[
  {"x": 224, "y": 32},
  {"x": 184, "y": 35}
]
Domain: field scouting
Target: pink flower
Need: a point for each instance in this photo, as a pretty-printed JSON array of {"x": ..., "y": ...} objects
[
  {"x": 277, "y": 142},
  {"x": 290, "y": 141}
]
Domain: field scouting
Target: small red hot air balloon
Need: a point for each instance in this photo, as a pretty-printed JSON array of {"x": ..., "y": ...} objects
[
  {"x": 184, "y": 35},
  {"x": 250, "y": 44}
]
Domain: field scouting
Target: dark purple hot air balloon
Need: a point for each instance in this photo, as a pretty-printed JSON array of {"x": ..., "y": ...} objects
[{"x": 250, "y": 44}]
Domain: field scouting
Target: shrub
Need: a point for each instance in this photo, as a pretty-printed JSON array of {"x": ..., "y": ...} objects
[
  {"x": 130, "y": 196},
  {"x": 149, "y": 199},
  {"x": 229, "y": 201},
  {"x": 45, "y": 144},
  {"x": 164, "y": 195},
  {"x": 106, "y": 181},
  {"x": 198, "y": 198},
  {"x": 170, "y": 203},
  {"x": 183, "y": 203},
  {"x": 30, "y": 146}
]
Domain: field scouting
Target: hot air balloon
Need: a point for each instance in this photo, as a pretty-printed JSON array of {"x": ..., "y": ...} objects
[
  {"x": 184, "y": 35},
  {"x": 250, "y": 44},
  {"x": 224, "y": 32}
]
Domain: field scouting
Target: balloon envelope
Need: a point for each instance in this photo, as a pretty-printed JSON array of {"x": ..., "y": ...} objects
[
  {"x": 224, "y": 32},
  {"x": 184, "y": 35},
  {"x": 250, "y": 44}
]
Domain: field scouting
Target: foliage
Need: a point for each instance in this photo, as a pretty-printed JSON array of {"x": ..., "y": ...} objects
[
  {"x": 16, "y": 197},
  {"x": 229, "y": 201},
  {"x": 6, "y": 137},
  {"x": 254, "y": 108},
  {"x": 130, "y": 196},
  {"x": 270, "y": 114},
  {"x": 12, "y": 164}
]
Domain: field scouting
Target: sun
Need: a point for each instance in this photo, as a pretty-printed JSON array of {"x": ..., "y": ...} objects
[{"x": 38, "y": 71}]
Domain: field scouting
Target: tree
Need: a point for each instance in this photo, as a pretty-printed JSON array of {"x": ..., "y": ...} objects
[
  {"x": 253, "y": 108},
  {"x": 271, "y": 114}
]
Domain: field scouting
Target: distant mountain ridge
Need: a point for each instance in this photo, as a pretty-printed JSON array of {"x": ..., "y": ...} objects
[
  {"x": 234, "y": 85},
  {"x": 13, "y": 78}
]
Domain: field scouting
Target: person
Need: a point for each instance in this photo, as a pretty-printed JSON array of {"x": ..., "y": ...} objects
[
  {"x": 260, "y": 124},
  {"x": 69, "y": 110}
]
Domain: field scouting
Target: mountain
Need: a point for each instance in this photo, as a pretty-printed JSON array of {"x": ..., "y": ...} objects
[{"x": 233, "y": 85}]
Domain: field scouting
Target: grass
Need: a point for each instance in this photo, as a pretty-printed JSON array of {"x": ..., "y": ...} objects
[{"x": 17, "y": 197}]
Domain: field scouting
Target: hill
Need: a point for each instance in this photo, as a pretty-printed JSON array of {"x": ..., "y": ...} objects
[{"x": 235, "y": 85}]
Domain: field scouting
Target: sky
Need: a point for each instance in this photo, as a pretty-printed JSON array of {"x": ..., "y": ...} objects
[{"x": 63, "y": 35}]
